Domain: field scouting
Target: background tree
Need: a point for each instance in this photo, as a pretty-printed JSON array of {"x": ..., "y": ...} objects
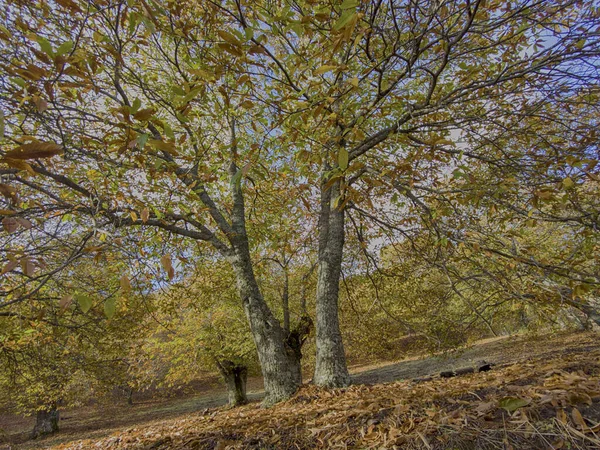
[{"x": 69, "y": 344}]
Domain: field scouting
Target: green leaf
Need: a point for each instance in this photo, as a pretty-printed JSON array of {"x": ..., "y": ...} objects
[
  {"x": 85, "y": 302},
  {"x": 169, "y": 131},
  {"x": 110, "y": 307},
  {"x": 18, "y": 81},
  {"x": 135, "y": 106},
  {"x": 349, "y": 4},
  {"x": 511, "y": 404},
  {"x": 142, "y": 139},
  {"x": 568, "y": 183},
  {"x": 345, "y": 19},
  {"x": 191, "y": 95},
  {"x": 65, "y": 48},
  {"x": 45, "y": 46},
  {"x": 343, "y": 158},
  {"x": 236, "y": 180},
  {"x": 1, "y": 124}
]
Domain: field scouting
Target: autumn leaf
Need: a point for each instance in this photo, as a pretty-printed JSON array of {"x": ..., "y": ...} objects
[
  {"x": 323, "y": 69},
  {"x": 9, "y": 192},
  {"x": 27, "y": 266},
  {"x": 145, "y": 215},
  {"x": 65, "y": 301},
  {"x": 11, "y": 265},
  {"x": 165, "y": 261},
  {"x": 229, "y": 38},
  {"x": 19, "y": 164},
  {"x": 144, "y": 114},
  {"x": 511, "y": 404},
  {"x": 25, "y": 223},
  {"x": 578, "y": 419},
  {"x": 125, "y": 283},
  {"x": 10, "y": 224},
  {"x": 35, "y": 150}
]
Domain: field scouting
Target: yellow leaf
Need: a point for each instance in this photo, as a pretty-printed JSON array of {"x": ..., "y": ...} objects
[
  {"x": 578, "y": 419},
  {"x": 134, "y": 216},
  {"x": 568, "y": 183},
  {"x": 125, "y": 283},
  {"x": 353, "y": 81},
  {"x": 343, "y": 158},
  {"x": 228, "y": 37},
  {"x": 323, "y": 69}
]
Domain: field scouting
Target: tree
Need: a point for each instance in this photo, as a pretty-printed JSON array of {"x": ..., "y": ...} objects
[
  {"x": 401, "y": 96},
  {"x": 69, "y": 344},
  {"x": 202, "y": 330}
]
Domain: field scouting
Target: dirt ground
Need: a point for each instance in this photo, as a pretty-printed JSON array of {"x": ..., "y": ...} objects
[{"x": 101, "y": 421}]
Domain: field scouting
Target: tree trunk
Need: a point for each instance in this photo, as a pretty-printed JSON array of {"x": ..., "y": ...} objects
[
  {"x": 592, "y": 313},
  {"x": 280, "y": 368},
  {"x": 130, "y": 396},
  {"x": 46, "y": 422},
  {"x": 285, "y": 299},
  {"x": 235, "y": 376},
  {"x": 331, "y": 370}
]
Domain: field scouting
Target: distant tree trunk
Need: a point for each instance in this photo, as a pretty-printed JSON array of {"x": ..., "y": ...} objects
[
  {"x": 330, "y": 369},
  {"x": 235, "y": 376},
  {"x": 298, "y": 336},
  {"x": 46, "y": 422},
  {"x": 592, "y": 312},
  {"x": 130, "y": 396}
]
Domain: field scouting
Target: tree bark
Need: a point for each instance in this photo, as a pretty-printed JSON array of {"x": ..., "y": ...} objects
[
  {"x": 235, "y": 376},
  {"x": 46, "y": 422},
  {"x": 280, "y": 368},
  {"x": 592, "y": 313},
  {"x": 331, "y": 370},
  {"x": 285, "y": 299}
]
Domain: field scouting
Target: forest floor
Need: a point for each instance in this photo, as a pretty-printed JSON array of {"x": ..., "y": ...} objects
[{"x": 543, "y": 392}]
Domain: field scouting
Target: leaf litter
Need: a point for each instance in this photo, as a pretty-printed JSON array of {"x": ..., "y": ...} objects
[{"x": 538, "y": 402}]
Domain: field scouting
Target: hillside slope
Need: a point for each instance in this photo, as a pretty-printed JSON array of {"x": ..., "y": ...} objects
[{"x": 551, "y": 400}]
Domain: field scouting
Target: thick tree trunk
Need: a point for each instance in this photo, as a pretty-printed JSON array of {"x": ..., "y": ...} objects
[
  {"x": 331, "y": 369},
  {"x": 279, "y": 365},
  {"x": 46, "y": 422},
  {"x": 280, "y": 368},
  {"x": 235, "y": 377}
]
